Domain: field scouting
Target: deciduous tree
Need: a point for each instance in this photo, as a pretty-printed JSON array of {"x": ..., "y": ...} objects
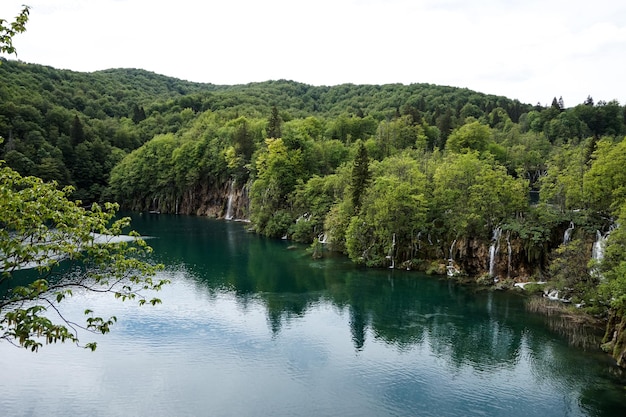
[{"x": 69, "y": 249}]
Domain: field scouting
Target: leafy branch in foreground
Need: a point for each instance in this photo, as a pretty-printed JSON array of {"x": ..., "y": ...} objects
[
  {"x": 9, "y": 30},
  {"x": 68, "y": 248}
]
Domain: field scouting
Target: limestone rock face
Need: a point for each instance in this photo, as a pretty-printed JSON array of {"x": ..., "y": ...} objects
[
  {"x": 510, "y": 260},
  {"x": 225, "y": 200}
]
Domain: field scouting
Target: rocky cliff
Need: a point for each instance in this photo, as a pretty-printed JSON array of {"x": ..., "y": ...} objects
[{"x": 226, "y": 200}]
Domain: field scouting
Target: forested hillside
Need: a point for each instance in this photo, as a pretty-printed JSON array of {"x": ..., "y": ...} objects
[
  {"x": 413, "y": 176},
  {"x": 74, "y": 127}
]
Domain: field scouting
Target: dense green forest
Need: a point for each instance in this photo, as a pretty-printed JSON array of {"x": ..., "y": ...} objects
[{"x": 418, "y": 176}]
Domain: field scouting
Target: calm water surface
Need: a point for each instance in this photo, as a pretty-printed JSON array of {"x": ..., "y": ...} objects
[{"x": 252, "y": 327}]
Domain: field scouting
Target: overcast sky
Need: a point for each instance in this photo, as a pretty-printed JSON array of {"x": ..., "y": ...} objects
[{"x": 532, "y": 50}]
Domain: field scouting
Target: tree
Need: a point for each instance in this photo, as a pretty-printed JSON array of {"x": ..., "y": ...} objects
[
  {"x": 471, "y": 196},
  {"x": 394, "y": 209},
  {"x": 278, "y": 172},
  {"x": 9, "y": 30},
  {"x": 273, "y": 128},
  {"x": 605, "y": 181},
  {"x": 613, "y": 266},
  {"x": 360, "y": 175},
  {"x": 139, "y": 113},
  {"x": 563, "y": 183},
  {"x": 69, "y": 248},
  {"x": 77, "y": 134},
  {"x": 569, "y": 272},
  {"x": 469, "y": 137}
]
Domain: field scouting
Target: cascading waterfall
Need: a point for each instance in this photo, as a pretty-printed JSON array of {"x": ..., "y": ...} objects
[
  {"x": 156, "y": 205},
  {"x": 229, "y": 205},
  {"x": 598, "y": 246},
  {"x": 493, "y": 250},
  {"x": 450, "y": 268},
  {"x": 391, "y": 253},
  {"x": 510, "y": 253},
  {"x": 451, "y": 258},
  {"x": 567, "y": 236},
  {"x": 597, "y": 253}
]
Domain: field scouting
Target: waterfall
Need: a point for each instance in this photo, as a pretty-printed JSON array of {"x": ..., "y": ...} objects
[
  {"x": 156, "y": 204},
  {"x": 451, "y": 270},
  {"x": 599, "y": 245},
  {"x": 451, "y": 258},
  {"x": 493, "y": 250},
  {"x": 229, "y": 206},
  {"x": 597, "y": 253},
  {"x": 568, "y": 233},
  {"x": 323, "y": 238},
  {"x": 305, "y": 217},
  {"x": 393, "y": 248},
  {"x": 510, "y": 253}
]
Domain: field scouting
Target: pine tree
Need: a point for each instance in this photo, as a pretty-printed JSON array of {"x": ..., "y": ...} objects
[
  {"x": 360, "y": 175},
  {"x": 77, "y": 135},
  {"x": 273, "y": 128},
  {"x": 555, "y": 104},
  {"x": 139, "y": 114}
]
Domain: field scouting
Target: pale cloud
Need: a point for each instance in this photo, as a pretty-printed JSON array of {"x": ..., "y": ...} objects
[{"x": 531, "y": 50}]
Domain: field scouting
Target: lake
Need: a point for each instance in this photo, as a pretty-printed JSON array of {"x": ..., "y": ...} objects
[{"x": 255, "y": 327}]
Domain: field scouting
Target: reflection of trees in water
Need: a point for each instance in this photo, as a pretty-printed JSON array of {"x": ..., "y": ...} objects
[
  {"x": 484, "y": 331},
  {"x": 358, "y": 323},
  {"x": 403, "y": 309}
]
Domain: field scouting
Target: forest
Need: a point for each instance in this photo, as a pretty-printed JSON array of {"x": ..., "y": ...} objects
[{"x": 425, "y": 177}]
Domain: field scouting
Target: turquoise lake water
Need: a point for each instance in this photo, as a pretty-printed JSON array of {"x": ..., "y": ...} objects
[{"x": 255, "y": 327}]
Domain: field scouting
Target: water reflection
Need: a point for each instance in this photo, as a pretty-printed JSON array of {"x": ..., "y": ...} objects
[
  {"x": 253, "y": 326},
  {"x": 486, "y": 332}
]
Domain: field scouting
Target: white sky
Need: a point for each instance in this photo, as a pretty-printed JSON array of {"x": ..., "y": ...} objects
[{"x": 532, "y": 50}]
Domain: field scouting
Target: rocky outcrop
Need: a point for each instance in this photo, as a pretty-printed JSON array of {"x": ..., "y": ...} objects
[
  {"x": 474, "y": 258},
  {"x": 225, "y": 200},
  {"x": 614, "y": 341}
]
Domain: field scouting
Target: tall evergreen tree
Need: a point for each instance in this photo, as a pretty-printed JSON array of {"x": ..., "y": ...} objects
[
  {"x": 139, "y": 114},
  {"x": 77, "y": 134},
  {"x": 360, "y": 175},
  {"x": 273, "y": 129}
]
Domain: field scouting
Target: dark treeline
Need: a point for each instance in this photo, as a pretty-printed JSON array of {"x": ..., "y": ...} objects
[{"x": 416, "y": 176}]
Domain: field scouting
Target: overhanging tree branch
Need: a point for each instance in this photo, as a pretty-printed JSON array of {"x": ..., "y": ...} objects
[{"x": 67, "y": 247}]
